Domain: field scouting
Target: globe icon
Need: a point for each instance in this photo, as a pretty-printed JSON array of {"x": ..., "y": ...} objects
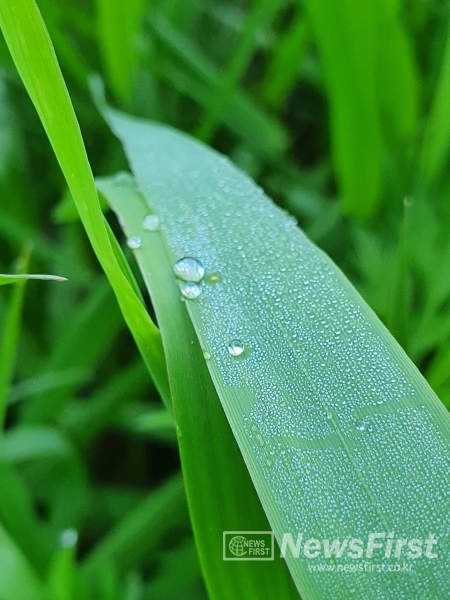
[{"x": 236, "y": 545}]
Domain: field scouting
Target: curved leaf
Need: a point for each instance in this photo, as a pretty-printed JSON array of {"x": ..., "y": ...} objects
[{"x": 342, "y": 436}]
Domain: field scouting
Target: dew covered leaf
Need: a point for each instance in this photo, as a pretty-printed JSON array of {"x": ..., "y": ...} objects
[
  {"x": 220, "y": 493},
  {"x": 341, "y": 434}
]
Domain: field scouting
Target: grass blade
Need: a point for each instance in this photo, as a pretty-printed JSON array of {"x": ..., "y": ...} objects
[
  {"x": 17, "y": 577},
  {"x": 140, "y": 531},
  {"x": 5, "y": 279},
  {"x": 341, "y": 434},
  {"x": 215, "y": 491},
  {"x": 118, "y": 24},
  {"x": 24, "y": 30},
  {"x": 11, "y": 334},
  {"x": 282, "y": 71},
  {"x": 258, "y": 18},
  {"x": 345, "y": 33},
  {"x": 437, "y": 139}
]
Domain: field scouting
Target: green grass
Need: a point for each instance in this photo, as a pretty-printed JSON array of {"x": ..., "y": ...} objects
[{"x": 339, "y": 113}]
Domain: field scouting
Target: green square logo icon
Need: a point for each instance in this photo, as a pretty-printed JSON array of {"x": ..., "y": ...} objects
[{"x": 248, "y": 545}]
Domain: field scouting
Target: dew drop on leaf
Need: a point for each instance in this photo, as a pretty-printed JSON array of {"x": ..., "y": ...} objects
[
  {"x": 191, "y": 290},
  {"x": 151, "y": 223},
  {"x": 134, "y": 242},
  {"x": 235, "y": 348},
  {"x": 189, "y": 269}
]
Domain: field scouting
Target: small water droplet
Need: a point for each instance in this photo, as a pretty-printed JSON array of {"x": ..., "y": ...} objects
[
  {"x": 189, "y": 269},
  {"x": 134, "y": 242},
  {"x": 329, "y": 415},
  {"x": 360, "y": 426},
  {"x": 206, "y": 355},
  {"x": 235, "y": 348},
  {"x": 190, "y": 290},
  {"x": 68, "y": 538},
  {"x": 151, "y": 223}
]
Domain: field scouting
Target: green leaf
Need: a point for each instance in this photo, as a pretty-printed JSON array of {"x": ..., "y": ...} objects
[
  {"x": 437, "y": 137},
  {"x": 282, "y": 71},
  {"x": 18, "y": 518},
  {"x": 18, "y": 580},
  {"x": 8, "y": 345},
  {"x": 118, "y": 24},
  {"x": 24, "y": 31},
  {"x": 258, "y": 18},
  {"x": 341, "y": 434},
  {"x": 191, "y": 73},
  {"x": 34, "y": 442},
  {"x": 4, "y": 279},
  {"x": 215, "y": 475},
  {"x": 140, "y": 531},
  {"x": 346, "y": 36}
]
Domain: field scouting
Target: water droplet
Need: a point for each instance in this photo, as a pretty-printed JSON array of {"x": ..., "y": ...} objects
[
  {"x": 360, "y": 426},
  {"x": 329, "y": 415},
  {"x": 189, "y": 269},
  {"x": 191, "y": 290},
  {"x": 134, "y": 242},
  {"x": 68, "y": 538},
  {"x": 151, "y": 223},
  {"x": 235, "y": 348},
  {"x": 206, "y": 355}
]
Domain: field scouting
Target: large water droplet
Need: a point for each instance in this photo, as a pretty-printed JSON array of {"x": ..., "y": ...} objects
[
  {"x": 134, "y": 242},
  {"x": 235, "y": 347},
  {"x": 151, "y": 223},
  {"x": 189, "y": 269},
  {"x": 190, "y": 290},
  {"x": 360, "y": 426},
  {"x": 206, "y": 355}
]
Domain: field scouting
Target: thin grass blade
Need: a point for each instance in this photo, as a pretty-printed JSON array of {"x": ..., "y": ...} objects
[{"x": 24, "y": 31}]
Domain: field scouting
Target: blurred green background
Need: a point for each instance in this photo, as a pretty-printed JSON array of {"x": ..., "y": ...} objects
[{"x": 339, "y": 110}]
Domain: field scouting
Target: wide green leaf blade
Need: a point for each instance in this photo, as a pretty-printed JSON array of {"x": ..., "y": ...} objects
[
  {"x": 220, "y": 493},
  {"x": 342, "y": 436}
]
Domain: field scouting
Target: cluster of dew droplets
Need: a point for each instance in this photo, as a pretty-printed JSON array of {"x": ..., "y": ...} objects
[
  {"x": 150, "y": 223},
  {"x": 191, "y": 272}
]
